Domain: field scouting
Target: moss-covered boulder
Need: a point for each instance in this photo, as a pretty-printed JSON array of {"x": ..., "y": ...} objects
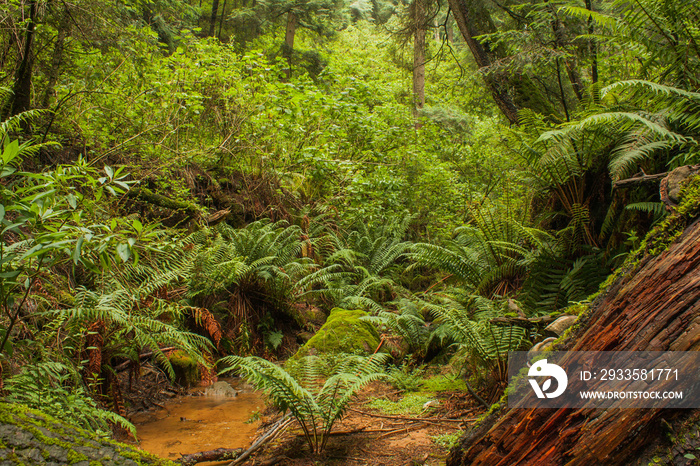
[
  {"x": 28, "y": 436},
  {"x": 343, "y": 332},
  {"x": 185, "y": 368}
]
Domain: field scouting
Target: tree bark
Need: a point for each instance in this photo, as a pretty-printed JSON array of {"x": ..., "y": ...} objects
[
  {"x": 292, "y": 22},
  {"x": 466, "y": 14},
  {"x": 221, "y": 21},
  {"x": 57, "y": 59},
  {"x": 212, "y": 20},
  {"x": 593, "y": 51},
  {"x": 220, "y": 454},
  {"x": 418, "y": 59},
  {"x": 22, "y": 89},
  {"x": 560, "y": 43},
  {"x": 655, "y": 307}
]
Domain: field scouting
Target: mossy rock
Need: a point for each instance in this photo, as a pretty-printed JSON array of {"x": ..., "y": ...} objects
[
  {"x": 185, "y": 368},
  {"x": 28, "y": 436},
  {"x": 343, "y": 332}
]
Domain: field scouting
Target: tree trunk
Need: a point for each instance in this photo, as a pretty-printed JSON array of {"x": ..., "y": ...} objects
[
  {"x": 22, "y": 89},
  {"x": 212, "y": 20},
  {"x": 560, "y": 43},
  {"x": 593, "y": 51},
  {"x": 466, "y": 14},
  {"x": 289, "y": 34},
  {"x": 221, "y": 21},
  {"x": 418, "y": 59},
  {"x": 655, "y": 307},
  {"x": 57, "y": 59}
]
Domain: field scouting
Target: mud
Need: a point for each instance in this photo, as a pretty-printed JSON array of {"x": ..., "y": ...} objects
[{"x": 198, "y": 422}]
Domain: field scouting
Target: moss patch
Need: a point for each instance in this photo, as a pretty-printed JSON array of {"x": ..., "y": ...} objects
[
  {"x": 343, "y": 332},
  {"x": 411, "y": 404},
  {"x": 185, "y": 368},
  {"x": 28, "y": 436}
]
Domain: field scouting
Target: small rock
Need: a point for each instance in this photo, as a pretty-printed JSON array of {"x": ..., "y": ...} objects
[
  {"x": 560, "y": 325},
  {"x": 220, "y": 389},
  {"x": 431, "y": 404}
]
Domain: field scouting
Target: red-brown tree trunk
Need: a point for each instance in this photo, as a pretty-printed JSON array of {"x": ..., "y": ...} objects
[{"x": 655, "y": 307}]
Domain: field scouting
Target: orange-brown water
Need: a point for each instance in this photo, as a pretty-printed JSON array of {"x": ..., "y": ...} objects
[{"x": 192, "y": 424}]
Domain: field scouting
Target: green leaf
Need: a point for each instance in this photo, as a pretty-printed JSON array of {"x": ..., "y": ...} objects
[
  {"x": 2, "y": 212},
  {"x": 690, "y": 456},
  {"x": 124, "y": 252},
  {"x": 76, "y": 252},
  {"x": 137, "y": 225},
  {"x": 72, "y": 201},
  {"x": 11, "y": 274},
  {"x": 8, "y": 344}
]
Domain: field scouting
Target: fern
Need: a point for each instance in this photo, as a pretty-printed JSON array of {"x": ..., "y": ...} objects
[
  {"x": 408, "y": 324},
  {"x": 253, "y": 270},
  {"x": 487, "y": 257},
  {"x": 469, "y": 326},
  {"x": 363, "y": 269},
  {"x": 314, "y": 403},
  {"x": 55, "y": 388}
]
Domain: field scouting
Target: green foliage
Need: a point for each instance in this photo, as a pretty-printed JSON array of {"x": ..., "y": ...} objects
[
  {"x": 411, "y": 404},
  {"x": 316, "y": 404},
  {"x": 469, "y": 325},
  {"x": 133, "y": 317},
  {"x": 444, "y": 383},
  {"x": 407, "y": 379},
  {"x": 363, "y": 270},
  {"x": 252, "y": 273},
  {"x": 55, "y": 389},
  {"x": 408, "y": 324},
  {"x": 447, "y": 441},
  {"x": 488, "y": 256}
]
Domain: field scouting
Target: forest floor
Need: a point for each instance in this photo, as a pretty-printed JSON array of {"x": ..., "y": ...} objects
[
  {"x": 383, "y": 426},
  {"x": 370, "y": 436}
]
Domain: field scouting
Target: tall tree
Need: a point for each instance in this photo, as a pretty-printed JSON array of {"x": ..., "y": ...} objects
[
  {"x": 22, "y": 87},
  {"x": 64, "y": 27},
  {"x": 474, "y": 20},
  {"x": 420, "y": 26},
  {"x": 290, "y": 33},
  {"x": 212, "y": 19}
]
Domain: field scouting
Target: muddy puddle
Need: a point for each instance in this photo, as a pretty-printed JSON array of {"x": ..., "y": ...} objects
[{"x": 200, "y": 422}]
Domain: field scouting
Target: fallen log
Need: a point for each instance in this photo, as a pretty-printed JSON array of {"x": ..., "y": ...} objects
[
  {"x": 653, "y": 306},
  {"x": 220, "y": 454},
  {"x": 643, "y": 178},
  {"x": 146, "y": 195}
]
